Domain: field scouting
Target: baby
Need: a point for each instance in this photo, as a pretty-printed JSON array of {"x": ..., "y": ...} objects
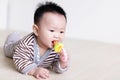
[{"x": 34, "y": 54}]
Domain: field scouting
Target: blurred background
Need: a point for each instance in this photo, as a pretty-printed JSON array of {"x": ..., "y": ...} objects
[{"x": 97, "y": 20}]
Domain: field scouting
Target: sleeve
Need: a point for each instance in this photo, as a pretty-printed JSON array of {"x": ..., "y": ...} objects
[
  {"x": 23, "y": 58},
  {"x": 57, "y": 68}
]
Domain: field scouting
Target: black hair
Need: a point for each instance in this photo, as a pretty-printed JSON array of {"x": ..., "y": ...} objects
[{"x": 47, "y": 7}]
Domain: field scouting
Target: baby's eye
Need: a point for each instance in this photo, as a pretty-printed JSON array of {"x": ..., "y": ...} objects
[
  {"x": 61, "y": 32},
  {"x": 51, "y": 30}
]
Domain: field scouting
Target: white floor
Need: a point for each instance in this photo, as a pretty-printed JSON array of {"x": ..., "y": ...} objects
[{"x": 90, "y": 60}]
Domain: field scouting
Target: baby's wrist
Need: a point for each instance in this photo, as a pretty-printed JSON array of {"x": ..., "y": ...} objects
[
  {"x": 63, "y": 64},
  {"x": 32, "y": 71}
]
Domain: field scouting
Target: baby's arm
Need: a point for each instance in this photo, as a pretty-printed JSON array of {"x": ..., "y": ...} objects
[
  {"x": 63, "y": 64},
  {"x": 25, "y": 64},
  {"x": 22, "y": 59},
  {"x": 64, "y": 59}
]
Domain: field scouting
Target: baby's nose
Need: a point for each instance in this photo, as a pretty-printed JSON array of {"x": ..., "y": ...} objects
[{"x": 56, "y": 36}]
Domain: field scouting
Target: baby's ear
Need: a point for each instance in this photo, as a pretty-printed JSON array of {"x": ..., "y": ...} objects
[{"x": 35, "y": 29}]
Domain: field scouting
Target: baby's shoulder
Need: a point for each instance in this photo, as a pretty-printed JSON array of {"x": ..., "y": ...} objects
[{"x": 27, "y": 40}]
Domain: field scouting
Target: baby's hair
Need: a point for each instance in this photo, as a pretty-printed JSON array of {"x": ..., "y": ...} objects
[{"x": 47, "y": 7}]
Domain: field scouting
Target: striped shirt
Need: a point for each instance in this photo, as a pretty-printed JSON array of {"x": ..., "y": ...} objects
[{"x": 26, "y": 56}]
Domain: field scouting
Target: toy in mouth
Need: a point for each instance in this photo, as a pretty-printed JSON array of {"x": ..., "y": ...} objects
[{"x": 57, "y": 46}]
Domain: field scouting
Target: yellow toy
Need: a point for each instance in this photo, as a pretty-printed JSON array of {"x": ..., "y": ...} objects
[{"x": 57, "y": 46}]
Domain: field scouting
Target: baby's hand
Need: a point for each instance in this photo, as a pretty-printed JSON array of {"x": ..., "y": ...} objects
[
  {"x": 63, "y": 56},
  {"x": 58, "y": 47},
  {"x": 40, "y": 73},
  {"x": 64, "y": 59}
]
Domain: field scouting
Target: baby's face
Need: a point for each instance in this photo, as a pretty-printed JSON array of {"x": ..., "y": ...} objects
[{"x": 52, "y": 27}]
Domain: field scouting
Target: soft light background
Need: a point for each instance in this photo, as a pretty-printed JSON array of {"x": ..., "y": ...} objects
[{"x": 87, "y": 19}]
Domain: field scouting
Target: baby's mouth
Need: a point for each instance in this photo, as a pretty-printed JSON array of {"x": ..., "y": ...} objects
[{"x": 54, "y": 42}]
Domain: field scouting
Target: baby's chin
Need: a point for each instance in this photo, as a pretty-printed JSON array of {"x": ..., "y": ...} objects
[{"x": 51, "y": 46}]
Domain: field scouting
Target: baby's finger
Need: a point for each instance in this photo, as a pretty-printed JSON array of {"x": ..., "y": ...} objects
[
  {"x": 44, "y": 76},
  {"x": 63, "y": 53},
  {"x": 46, "y": 73},
  {"x": 37, "y": 76}
]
